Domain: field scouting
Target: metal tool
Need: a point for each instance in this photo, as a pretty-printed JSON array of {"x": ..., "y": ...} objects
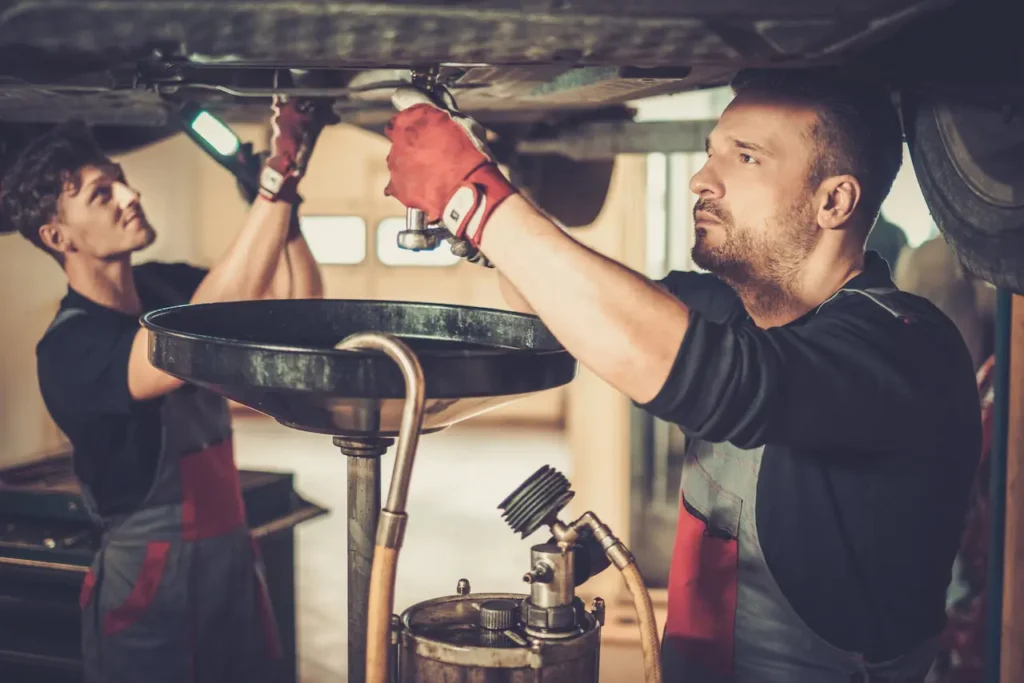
[
  {"x": 548, "y": 635},
  {"x": 417, "y": 236}
]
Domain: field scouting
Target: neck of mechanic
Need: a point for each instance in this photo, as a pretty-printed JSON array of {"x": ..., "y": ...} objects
[
  {"x": 109, "y": 283},
  {"x": 831, "y": 264}
]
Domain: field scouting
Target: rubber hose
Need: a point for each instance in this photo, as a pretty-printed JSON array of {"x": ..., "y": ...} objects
[
  {"x": 381, "y": 604},
  {"x": 648, "y": 626}
]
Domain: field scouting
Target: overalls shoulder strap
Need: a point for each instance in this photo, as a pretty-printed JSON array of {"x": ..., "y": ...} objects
[
  {"x": 64, "y": 315},
  {"x": 890, "y": 299}
]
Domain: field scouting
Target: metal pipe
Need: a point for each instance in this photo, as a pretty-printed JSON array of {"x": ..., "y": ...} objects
[
  {"x": 167, "y": 88},
  {"x": 997, "y": 484},
  {"x": 412, "y": 411},
  {"x": 619, "y": 555},
  {"x": 363, "y": 508},
  {"x": 363, "y": 517},
  {"x": 370, "y": 621},
  {"x": 392, "y": 518}
]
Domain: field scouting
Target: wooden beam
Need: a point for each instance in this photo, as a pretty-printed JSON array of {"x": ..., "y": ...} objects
[{"x": 1012, "y": 654}]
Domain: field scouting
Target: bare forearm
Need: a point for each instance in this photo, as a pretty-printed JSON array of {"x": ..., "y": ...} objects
[
  {"x": 616, "y": 322},
  {"x": 246, "y": 270},
  {"x": 512, "y": 296},
  {"x": 306, "y": 278},
  {"x": 298, "y": 273}
]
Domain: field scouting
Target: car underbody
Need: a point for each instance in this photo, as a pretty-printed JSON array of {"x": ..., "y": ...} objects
[
  {"x": 129, "y": 62},
  {"x": 532, "y": 69}
]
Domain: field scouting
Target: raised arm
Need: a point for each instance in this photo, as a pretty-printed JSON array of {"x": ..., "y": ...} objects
[
  {"x": 621, "y": 325},
  {"x": 298, "y": 273},
  {"x": 719, "y": 380},
  {"x": 252, "y": 264},
  {"x": 618, "y": 323},
  {"x": 269, "y": 258}
]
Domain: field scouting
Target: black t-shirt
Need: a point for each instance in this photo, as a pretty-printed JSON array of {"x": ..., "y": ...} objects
[
  {"x": 870, "y": 417},
  {"x": 82, "y": 365}
]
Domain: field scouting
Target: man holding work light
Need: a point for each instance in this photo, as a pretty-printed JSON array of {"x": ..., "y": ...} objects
[{"x": 176, "y": 591}]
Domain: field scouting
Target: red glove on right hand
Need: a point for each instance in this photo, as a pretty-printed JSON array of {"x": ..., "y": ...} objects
[
  {"x": 296, "y": 125},
  {"x": 439, "y": 166}
]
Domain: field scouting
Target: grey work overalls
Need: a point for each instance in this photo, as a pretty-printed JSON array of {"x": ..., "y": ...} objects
[
  {"x": 177, "y": 591},
  {"x": 728, "y": 620}
]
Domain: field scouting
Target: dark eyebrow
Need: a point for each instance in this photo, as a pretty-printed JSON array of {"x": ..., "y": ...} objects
[
  {"x": 750, "y": 146},
  {"x": 111, "y": 173},
  {"x": 96, "y": 186}
]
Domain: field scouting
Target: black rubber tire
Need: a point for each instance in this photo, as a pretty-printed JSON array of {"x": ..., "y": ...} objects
[
  {"x": 573, "y": 192},
  {"x": 988, "y": 238}
]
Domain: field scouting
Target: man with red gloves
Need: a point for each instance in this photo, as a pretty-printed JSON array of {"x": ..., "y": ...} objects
[
  {"x": 832, "y": 421},
  {"x": 176, "y": 592}
]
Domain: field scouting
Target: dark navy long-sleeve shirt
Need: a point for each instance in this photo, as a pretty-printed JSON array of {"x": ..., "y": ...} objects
[{"x": 870, "y": 417}]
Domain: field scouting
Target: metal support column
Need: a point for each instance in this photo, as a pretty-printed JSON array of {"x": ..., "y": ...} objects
[{"x": 364, "y": 502}]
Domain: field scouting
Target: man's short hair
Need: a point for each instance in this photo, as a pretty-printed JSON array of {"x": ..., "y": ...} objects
[
  {"x": 31, "y": 189},
  {"x": 857, "y": 132}
]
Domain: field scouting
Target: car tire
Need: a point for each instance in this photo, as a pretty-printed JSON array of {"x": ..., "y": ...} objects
[
  {"x": 971, "y": 178},
  {"x": 572, "y": 192}
]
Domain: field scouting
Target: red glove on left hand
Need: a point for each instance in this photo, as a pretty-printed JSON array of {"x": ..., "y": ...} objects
[
  {"x": 296, "y": 124},
  {"x": 441, "y": 168}
]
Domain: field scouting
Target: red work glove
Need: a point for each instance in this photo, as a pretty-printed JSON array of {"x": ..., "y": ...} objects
[
  {"x": 296, "y": 124},
  {"x": 440, "y": 165}
]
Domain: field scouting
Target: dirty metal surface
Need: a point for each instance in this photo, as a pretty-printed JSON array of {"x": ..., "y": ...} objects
[
  {"x": 278, "y": 357},
  {"x": 404, "y": 32},
  {"x": 449, "y": 630},
  {"x": 529, "y": 58}
]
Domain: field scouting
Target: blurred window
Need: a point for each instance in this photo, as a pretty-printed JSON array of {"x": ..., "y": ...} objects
[{"x": 335, "y": 240}]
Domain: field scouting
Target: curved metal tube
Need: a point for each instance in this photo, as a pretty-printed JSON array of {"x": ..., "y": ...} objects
[
  {"x": 412, "y": 413},
  {"x": 391, "y": 527}
]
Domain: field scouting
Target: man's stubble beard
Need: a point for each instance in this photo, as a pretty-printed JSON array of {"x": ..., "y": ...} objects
[{"x": 764, "y": 269}]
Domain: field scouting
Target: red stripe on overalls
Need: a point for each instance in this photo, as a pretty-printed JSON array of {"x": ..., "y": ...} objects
[
  {"x": 263, "y": 605},
  {"x": 88, "y": 585},
  {"x": 143, "y": 592},
  {"x": 211, "y": 495},
  {"x": 701, "y": 620}
]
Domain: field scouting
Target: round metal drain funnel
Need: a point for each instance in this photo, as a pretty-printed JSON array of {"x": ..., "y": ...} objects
[{"x": 278, "y": 357}]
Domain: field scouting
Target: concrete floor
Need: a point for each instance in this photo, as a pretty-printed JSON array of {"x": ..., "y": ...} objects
[{"x": 455, "y": 529}]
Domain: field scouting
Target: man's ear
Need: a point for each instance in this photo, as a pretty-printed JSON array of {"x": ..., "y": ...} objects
[
  {"x": 838, "y": 199},
  {"x": 54, "y": 238}
]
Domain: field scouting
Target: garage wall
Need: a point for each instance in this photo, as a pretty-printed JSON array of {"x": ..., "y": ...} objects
[{"x": 33, "y": 285}]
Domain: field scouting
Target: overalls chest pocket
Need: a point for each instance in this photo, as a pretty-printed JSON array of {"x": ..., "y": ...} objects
[{"x": 703, "y": 577}]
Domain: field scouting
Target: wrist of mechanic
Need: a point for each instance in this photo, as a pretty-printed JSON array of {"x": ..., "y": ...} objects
[
  {"x": 296, "y": 125},
  {"x": 439, "y": 166}
]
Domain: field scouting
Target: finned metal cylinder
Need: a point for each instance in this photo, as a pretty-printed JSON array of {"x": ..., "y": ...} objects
[{"x": 458, "y": 639}]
